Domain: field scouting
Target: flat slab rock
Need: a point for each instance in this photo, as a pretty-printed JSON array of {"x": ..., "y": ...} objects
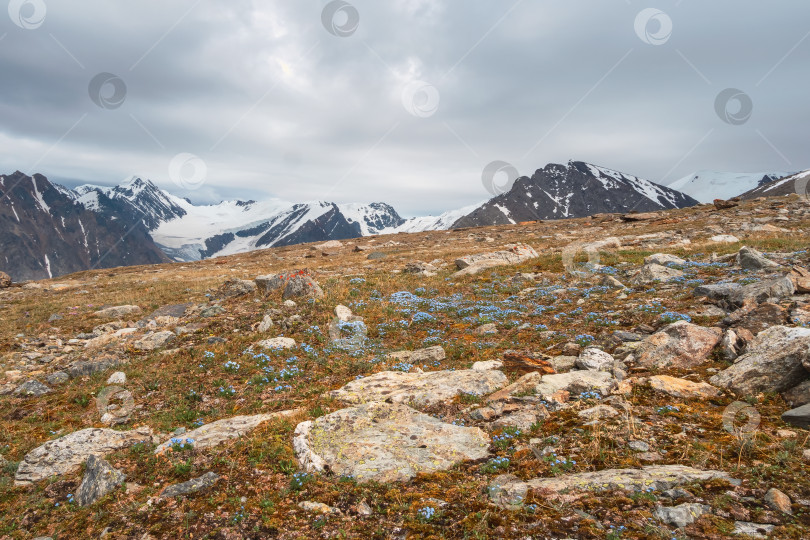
[
  {"x": 385, "y": 443},
  {"x": 218, "y": 432},
  {"x": 65, "y": 454},
  {"x": 652, "y": 477},
  {"x": 421, "y": 389}
]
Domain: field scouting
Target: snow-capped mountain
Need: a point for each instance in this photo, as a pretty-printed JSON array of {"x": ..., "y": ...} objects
[
  {"x": 45, "y": 232},
  {"x": 135, "y": 198},
  {"x": 236, "y": 227},
  {"x": 798, "y": 183},
  {"x": 705, "y": 186},
  {"x": 436, "y": 223},
  {"x": 575, "y": 190}
]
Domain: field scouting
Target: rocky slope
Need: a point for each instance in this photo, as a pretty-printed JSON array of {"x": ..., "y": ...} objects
[
  {"x": 795, "y": 184},
  {"x": 622, "y": 376},
  {"x": 574, "y": 190},
  {"x": 45, "y": 232},
  {"x": 706, "y": 186}
]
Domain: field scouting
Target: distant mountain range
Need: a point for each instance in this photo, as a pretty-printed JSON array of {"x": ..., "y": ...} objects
[
  {"x": 706, "y": 186},
  {"x": 575, "y": 190},
  {"x": 49, "y": 230}
]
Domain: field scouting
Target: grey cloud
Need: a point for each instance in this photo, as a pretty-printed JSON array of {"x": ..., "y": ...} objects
[{"x": 277, "y": 106}]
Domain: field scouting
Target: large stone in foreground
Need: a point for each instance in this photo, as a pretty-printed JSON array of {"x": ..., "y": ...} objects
[
  {"x": 681, "y": 388},
  {"x": 513, "y": 254},
  {"x": 653, "y": 477},
  {"x": 65, "y": 454},
  {"x": 218, "y": 432},
  {"x": 575, "y": 382},
  {"x": 773, "y": 362},
  {"x": 679, "y": 345},
  {"x": 384, "y": 443},
  {"x": 422, "y": 389}
]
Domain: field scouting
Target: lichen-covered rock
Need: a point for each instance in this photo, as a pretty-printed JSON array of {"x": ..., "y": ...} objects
[
  {"x": 65, "y": 454},
  {"x": 751, "y": 259},
  {"x": 682, "y": 515},
  {"x": 218, "y": 432},
  {"x": 650, "y": 478},
  {"x": 575, "y": 383},
  {"x": 421, "y": 389},
  {"x": 99, "y": 479},
  {"x": 385, "y": 443},
  {"x": 680, "y": 344},
  {"x": 117, "y": 312},
  {"x": 768, "y": 290},
  {"x": 594, "y": 359},
  {"x": 651, "y": 273},
  {"x": 277, "y": 343},
  {"x": 194, "y": 485},
  {"x": 156, "y": 340},
  {"x": 513, "y": 254},
  {"x": 681, "y": 388},
  {"x": 32, "y": 388},
  {"x": 773, "y": 363},
  {"x": 663, "y": 259}
]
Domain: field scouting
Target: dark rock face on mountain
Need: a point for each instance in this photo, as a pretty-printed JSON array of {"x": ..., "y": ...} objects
[
  {"x": 45, "y": 232},
  {"x": 574, "y": 190},
  {"x": 798, "y": 183},
  {"x": 332, "y": 225},
  {"x": 134, "y": 201}
]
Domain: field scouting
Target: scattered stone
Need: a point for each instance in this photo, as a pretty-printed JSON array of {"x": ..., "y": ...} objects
[
  {"x": 799, "y": 417},
  {"x": 524, "y": 362},
  {"x": 751, "y": 259},
  {"x": 597, "y": 413},
  {"x": 58, "y": 377},
  {"x": 343, "y": 313},
  {"x": 32, "y": 388},
  {"x": 233, "y": 288},
  {"x": 423, "y": 389},
  {"x": 486, "y": 365},
  {"x": 277, "y": 343},
  {"x": 733, "y": 344},
  {"x": 755, "y": 530},
  {"x": 801, "y": 279},
  {"x": 266, "y": 324},
  {"x": 91, "y": 367},
  {"x": 484, "y": 329},
  {"x": 431, "y": 354},
  {"x": 99, "y": 479},
  {"x": 317, "y": 508},
  {"x": 201, "y": 483},
  {"x": 594, "y": 359},
  {"x": 508, "y": 491},
  {"x": 756, "y": 318},
  {"x": 611, "y": 282},
  {"x": 768, "y": 290},
  {"x": 376, "y": 255},
  {"x": 512, "y": 254},
  {"x": 385, "y": 443},
  {"x": 420, "y": 268},
  {"x": 682, "y": 515},
  {"x": 638, "y": 446},
  {"x": 212, "y": 311},
  {"x": 680, "y": 345},
  {"x": 717, "y": 291},
  {"x": 773, "y": 363},
  {"x": 216, "y": 433},
  {"x": 5, "y": 280},
  {"x": 640, "y": 216},
  {"x": 681, "y": 388},
  {"x": 155, "y": 340},
  {"x": 649, "y": 478},
  {"x": 302, "y": 286},
  {"x": 663, "y": 259},
  {"x": 651, "y": 273},
  {"x": 798, "y": 395},
  {"x": 523, "y": 419},
  {"x": 364, "y": 509},
  {"x": 721, "y": 204},
  {"x": 776, "y": 500},
  {"x": 65, "y": 454},
  {"x": 117, "y": 312},
  {"x": 119, "y": 377},
  {"x": 289, "y": 303},
  {"x": 575, "y": 383},
  {"x": 725, "y": 239}
]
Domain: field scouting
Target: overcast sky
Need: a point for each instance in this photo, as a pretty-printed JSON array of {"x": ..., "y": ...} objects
[{"x": 402, "y": 101}]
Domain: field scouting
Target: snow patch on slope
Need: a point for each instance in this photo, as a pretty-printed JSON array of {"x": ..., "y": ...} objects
[{"x": 705, "y": 186}]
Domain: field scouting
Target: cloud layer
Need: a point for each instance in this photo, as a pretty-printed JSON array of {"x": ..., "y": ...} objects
[{"x": 404, "y": 101}]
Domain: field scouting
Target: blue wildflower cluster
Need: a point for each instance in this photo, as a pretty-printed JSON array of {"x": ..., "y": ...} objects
[
  {"x": 584, "y": 339},
  {"x": 178, "y": 443},
  {"x": 227, "y": 392},
  {"x": 426, "y": 514},
  {"x": 402, "y": 366},
  {"x": 357, "y": 281},
  {"x": 299, "y": 479},
  {"x": 667, "y": 409},
  {"x": 421, "y": 317},
  {"x": 231, "y": 366},
  {"x": 672, "y": 316},
  {"x": 590, "y": 394},
  {"x": 496, "y": 464}
]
